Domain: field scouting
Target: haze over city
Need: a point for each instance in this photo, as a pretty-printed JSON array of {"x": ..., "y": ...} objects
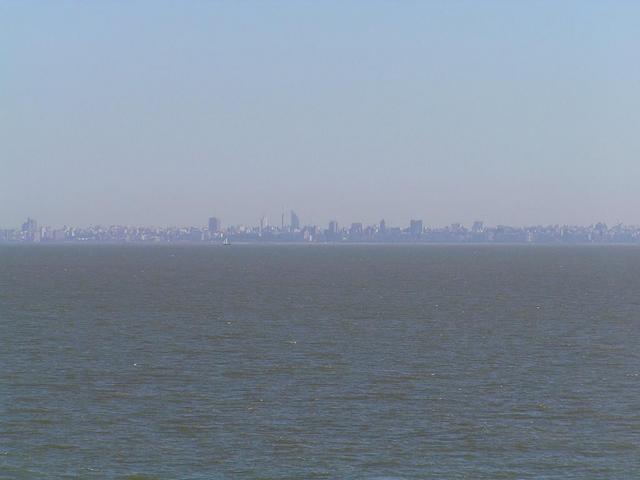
[
  {"x": 147, "y": 113},
  {"x": 296, "y": 239}
]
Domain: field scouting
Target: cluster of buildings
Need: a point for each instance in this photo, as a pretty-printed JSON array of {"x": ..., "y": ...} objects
[{"x": 295, "y": 232}]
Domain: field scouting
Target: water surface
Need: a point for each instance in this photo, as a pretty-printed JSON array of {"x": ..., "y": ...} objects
[{"x": 263, "y": 362}]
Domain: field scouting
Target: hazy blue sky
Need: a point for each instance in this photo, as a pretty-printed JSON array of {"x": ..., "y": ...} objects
[{"x": 167, "y": 113}]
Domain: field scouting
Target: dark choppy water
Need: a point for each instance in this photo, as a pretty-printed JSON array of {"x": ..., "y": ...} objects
[{"x": 319, "y": 362}]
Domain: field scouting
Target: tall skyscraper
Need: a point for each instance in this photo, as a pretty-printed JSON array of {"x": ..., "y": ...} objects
[
  {"x": 415, "y": 228},
  {"x": 383, "y": 226},
  {"x": 30, "y": 231},
  {"x": 30, "y": 225},
  {"x": 295, "y": 222},
  {"x": 214, "y": 224},
  {"x": 333, "y": 227}
]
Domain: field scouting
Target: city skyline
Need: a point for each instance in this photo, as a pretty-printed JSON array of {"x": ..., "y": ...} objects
[
  {"x": 290, "y": 220},
  {"x": 294, "y": 232},
  {"x": 296, "y": 218}
]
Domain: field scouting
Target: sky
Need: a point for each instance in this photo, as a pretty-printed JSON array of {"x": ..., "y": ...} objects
[{"x": 169, "y": 112}]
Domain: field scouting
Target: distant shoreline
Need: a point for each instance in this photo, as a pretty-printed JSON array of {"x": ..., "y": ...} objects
[{"x": 319, "y": 244}]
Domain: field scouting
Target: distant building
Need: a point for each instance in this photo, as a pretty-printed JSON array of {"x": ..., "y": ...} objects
[
  {"x": 309, "y": 233},
  {"x": 30, "y": 231},
  {"x": 415, "y": 228},
  {"x": 30, "y": 225},
  {"x": 383, "y": 226},
  {"x": 194, "y": 235},
  {"x": 58, "y": 235},
  {"x": 333, "y": 227},
  {"x": 295, "y": 222},
  {"x": 214, "y": 225},
  {"x": 264, "y": 224},
  {"x": 356, "y": 229}
]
